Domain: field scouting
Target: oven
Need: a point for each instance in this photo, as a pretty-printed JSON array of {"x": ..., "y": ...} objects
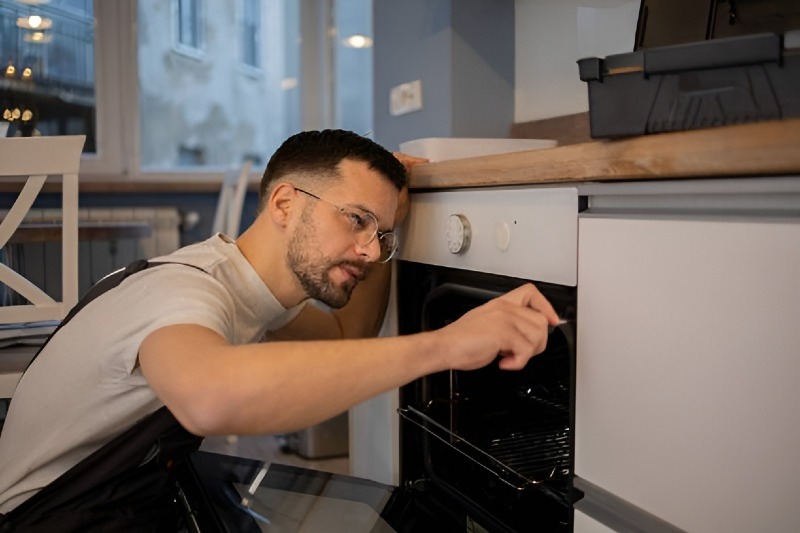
[{"x": 490, "y": 450}]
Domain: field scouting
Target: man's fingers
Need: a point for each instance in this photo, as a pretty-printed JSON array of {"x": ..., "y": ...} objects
[
  {"x": 409, "y": 161},
  {"x": 525, "y": 337},
  {"x": 529, "y": 296}
]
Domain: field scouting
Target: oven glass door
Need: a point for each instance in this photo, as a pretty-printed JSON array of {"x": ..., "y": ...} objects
[
  {"x": 220, "y": 493},
  {"x": 498, "y": 443}
]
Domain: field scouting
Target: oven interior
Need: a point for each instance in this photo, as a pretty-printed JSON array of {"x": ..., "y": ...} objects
[{"x": 497, "y": 444}]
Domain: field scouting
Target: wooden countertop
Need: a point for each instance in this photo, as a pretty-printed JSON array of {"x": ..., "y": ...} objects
[{"x": 759, "y": 149}]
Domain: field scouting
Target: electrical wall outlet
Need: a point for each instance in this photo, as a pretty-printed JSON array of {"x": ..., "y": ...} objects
[{"x": 405, "y": 98}]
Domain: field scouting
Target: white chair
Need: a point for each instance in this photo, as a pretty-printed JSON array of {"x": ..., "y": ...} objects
[
  {"x": 33, "y": 159},
  {"x": 228, "y": 215}
]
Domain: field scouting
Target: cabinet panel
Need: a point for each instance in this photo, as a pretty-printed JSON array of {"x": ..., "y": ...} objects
[
  {"x": 584, "y": 523},
  {"x": 688, "y": 368}
]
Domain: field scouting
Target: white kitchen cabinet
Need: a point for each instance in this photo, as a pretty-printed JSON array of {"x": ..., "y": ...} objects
[
  {"x": 688, "y": 368},
  {"x": 584, "y": 523}
]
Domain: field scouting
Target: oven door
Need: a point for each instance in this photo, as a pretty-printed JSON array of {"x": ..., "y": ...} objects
[
  {"x": 220, "y": 493},
  {"x": 495, "y": 447}
]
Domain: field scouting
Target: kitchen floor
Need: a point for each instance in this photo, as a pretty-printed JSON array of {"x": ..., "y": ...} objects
[{"x": 269, "y": 448}]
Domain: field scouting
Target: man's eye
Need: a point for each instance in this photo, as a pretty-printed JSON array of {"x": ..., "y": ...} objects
[{"x": 357, "y": 221}]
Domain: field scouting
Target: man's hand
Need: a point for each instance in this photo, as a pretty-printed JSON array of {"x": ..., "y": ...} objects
[
  {"x": 409, "y": 161},
  {"x": 514, "y": 326}
]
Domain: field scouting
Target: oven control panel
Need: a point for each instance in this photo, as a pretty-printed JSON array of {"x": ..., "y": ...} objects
[{"x": 530, "y": 233}]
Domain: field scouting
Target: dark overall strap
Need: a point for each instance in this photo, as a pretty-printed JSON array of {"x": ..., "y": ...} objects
[{"x": 125, "y": 485}]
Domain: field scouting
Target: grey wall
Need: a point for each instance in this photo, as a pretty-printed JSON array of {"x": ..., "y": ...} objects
[
  {"x": 463, "y": 53},
  {"x": 551, "y": 35}
]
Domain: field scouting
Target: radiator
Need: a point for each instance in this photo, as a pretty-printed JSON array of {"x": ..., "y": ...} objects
[
  {"x": 40, "y": 262},
  {"x": 96, "y": 258}
]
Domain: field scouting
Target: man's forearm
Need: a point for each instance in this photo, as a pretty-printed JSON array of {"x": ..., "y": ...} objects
[{"x": 215, "y": 388}]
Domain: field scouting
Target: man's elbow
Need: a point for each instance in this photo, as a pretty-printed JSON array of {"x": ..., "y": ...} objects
[{"x": 201, "y": 414}]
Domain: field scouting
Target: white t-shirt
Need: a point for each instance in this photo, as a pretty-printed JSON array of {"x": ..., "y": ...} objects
[{"x": 86, "y": 387}]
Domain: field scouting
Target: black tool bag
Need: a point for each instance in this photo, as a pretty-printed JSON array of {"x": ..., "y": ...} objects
[{"x": 126, "y": 485}]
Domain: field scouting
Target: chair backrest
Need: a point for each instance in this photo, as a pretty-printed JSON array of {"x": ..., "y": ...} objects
[
  {"x": 34, "y": 159},
  {"x": 228, "y": 215}
]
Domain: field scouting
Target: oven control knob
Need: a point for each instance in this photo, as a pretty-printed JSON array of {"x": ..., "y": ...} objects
[
  {"x": 502, "y": 235},
  {"x": 458, "y": 234}
]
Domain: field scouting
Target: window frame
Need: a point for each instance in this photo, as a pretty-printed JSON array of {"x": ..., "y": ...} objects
[
  {"x": 258, "y": 28},
  {"x": 190, "y": 50},
  {"x": 117, "y": 113}
]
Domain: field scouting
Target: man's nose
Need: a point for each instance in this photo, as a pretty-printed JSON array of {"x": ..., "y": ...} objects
[{"x": 371, "y": 251}]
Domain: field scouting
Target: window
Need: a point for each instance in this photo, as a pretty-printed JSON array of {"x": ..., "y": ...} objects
[
  {"x": 211, "y": 107},
  {"x": 204, "y": 87},
  {"x": 353, "y": 65},
  {"x": 188, "y": 25},
  {"x": 47, "y": 83},
  {"x": 251, "y": 32}
]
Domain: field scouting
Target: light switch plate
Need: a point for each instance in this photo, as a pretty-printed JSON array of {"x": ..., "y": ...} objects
[{"x": 405, "y": 98}]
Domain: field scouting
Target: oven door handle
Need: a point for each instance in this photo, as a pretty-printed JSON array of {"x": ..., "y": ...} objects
[
  {"x": 449, "y": 288},
  {"x": 565, "y": 324},
  {"x": 466, "y": 290}
]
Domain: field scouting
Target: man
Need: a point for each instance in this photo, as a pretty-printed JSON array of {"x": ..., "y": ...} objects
[{"x": 187, "y": 335}]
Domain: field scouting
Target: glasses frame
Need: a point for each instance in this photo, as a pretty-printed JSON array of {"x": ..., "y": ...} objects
[{"x": 347, "y": 212}]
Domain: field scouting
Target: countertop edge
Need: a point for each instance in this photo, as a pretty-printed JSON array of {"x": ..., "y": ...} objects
[{"x": 758, "y": 149}]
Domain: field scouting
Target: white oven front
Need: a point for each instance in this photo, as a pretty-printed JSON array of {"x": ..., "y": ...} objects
[{"x": 523, "y": 232}]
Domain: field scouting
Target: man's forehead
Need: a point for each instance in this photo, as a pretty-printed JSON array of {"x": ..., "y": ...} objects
[{"x": 366, "y": 189}]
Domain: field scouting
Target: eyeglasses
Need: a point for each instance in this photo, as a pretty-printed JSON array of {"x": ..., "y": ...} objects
[{"x": 364, "y": 227}]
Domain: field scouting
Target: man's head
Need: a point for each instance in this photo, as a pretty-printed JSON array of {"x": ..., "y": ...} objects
[
  {"x": 315, "y": 156},
  {"x": 335, "y": 194}
]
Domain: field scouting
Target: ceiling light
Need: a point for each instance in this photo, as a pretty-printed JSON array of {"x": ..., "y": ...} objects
[
  {"x": 35, "y": 22},
  {"x": 10, "y": 70},
  {"x": 357, "y": 41},
  {"x": 37, "y": 37},
  {"x": 33, "y": 2}
]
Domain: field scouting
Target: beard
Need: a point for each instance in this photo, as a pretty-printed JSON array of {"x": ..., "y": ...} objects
[{"x": 312, "y": 269}]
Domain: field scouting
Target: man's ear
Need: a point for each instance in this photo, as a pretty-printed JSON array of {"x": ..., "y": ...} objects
[{"x": 281, "y": 203}]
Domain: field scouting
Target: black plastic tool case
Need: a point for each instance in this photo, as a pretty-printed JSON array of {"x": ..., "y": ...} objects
[
  {"x": 694, "y": 85},
  {"x": 699, "y": 63}
]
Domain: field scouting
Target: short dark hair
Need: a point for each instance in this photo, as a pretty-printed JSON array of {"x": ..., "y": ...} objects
[{"x": 319, "y": 153}]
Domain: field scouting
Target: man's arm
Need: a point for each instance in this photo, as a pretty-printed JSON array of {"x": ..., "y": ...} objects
[{"x": 214, "y": 388}]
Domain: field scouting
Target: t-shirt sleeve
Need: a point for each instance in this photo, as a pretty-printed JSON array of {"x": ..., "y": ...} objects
[
  {"x": 180, "y": 294},
  {"x": 166, "y": 296}
]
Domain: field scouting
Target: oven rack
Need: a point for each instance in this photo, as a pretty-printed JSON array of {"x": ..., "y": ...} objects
[
  {"x": 520, "y": 460},
  {"x": 532, "y": 452}
]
